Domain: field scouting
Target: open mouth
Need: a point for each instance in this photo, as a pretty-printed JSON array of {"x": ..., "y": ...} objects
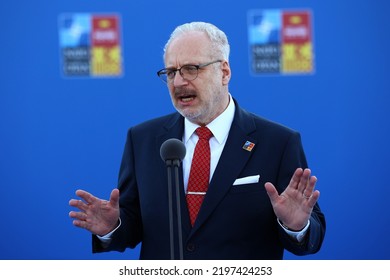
[
  {"x": 186, "y": 99},
  {"x": 185, "y": 96}
]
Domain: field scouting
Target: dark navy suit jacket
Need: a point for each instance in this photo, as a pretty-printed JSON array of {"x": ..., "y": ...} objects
[{"x": 235, "y": 222}]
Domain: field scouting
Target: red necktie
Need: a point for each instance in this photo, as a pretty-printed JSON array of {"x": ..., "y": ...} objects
[{"x": 198, "y": 181}]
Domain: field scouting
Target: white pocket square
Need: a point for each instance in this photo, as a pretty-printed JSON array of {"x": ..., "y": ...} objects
[{"x": 247, "y": 180}]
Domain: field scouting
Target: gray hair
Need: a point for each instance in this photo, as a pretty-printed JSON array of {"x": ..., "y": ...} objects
[{"x": 220, "y": 44}]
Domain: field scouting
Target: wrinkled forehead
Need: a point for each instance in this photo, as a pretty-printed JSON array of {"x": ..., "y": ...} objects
[{"x": 190, "y": 48}]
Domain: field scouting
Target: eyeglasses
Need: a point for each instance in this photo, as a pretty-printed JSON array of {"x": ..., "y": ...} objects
[{"x": 187, "y": 72}]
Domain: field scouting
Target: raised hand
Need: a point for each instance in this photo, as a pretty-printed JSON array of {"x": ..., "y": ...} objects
[
  {"x": 96, "y": 215},
  {"x": 294, "y": 205}
]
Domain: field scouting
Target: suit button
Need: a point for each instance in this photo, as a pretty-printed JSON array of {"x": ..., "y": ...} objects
[{"x": 190, "y": 247}]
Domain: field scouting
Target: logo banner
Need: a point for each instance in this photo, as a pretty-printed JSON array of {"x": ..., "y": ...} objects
[
  {"x": 281, "y": 42},
  {"x": 90, "y": 45}
]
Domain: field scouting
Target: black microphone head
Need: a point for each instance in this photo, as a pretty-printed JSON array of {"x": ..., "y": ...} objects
[{"x": 172, "y": 149}]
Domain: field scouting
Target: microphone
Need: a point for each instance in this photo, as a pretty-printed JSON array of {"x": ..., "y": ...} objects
[{"x": 172, "y": 152}]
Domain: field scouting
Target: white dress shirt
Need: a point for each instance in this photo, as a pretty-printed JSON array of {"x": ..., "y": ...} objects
[{"x": 220, "y": 128}]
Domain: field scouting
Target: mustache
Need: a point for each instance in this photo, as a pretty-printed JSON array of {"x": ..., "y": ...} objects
[{"x": 184, "y": 92}]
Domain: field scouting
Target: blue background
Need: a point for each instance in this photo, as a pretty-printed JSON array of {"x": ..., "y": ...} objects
[{"x": 59, "y": 134}]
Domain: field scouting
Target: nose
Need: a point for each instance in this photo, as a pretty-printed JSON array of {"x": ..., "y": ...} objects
[{"x": 178, "y": 80}]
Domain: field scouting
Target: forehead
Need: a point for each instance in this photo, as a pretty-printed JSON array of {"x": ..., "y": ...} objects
[{"x": 192, "y": 47}]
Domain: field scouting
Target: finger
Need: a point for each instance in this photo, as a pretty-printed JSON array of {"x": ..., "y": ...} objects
[
  {"x": 296, "y": 178},
  {"x": 78, "y": 204},
  {"x": 304, "y": 180},
  {"x": 313, "y": 198},
  {"x": 89, "y": 198},
  {"x": 114, "y": 198},
  {"x": 271, "y": 191},
  {"x": 307, "y": 192},
  {"x": 81, "y": 205},
  {"x": 78, "y": 215},
  {"x": 81, "y": 224}
]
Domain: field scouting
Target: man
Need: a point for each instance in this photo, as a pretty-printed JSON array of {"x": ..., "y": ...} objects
[{"x": 260, "y": 198}]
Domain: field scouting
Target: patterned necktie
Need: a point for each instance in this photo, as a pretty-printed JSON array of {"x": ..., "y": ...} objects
[{"x": 198, "y": 181}]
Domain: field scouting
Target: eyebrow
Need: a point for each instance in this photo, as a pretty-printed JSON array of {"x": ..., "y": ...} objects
[{"x": 185, "y": 64}]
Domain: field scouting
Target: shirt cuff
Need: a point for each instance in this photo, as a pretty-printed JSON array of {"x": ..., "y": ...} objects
[
  {"x": 106, "y": 239},
  {"x": 298, "y": 235}
]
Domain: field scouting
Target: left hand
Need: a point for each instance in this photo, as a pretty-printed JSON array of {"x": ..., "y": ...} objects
[{"x": 294, "y": 205}]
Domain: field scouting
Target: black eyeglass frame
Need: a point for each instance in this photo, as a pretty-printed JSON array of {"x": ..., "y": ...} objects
[{"x": 163, "y": 73}]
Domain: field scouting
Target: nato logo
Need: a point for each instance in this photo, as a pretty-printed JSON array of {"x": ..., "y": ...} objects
[
  {"x": 90, "y": 45},
  {"x": 280, "y": 42}
]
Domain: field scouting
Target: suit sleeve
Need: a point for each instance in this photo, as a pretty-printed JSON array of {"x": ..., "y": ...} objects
[{"x": 294, "y": 157}]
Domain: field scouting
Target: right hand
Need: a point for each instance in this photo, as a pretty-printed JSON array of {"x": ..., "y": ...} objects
[{"x": 96, "y": 215}]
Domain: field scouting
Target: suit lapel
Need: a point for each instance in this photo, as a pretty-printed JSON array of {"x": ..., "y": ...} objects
[{"x": 232, "y": 161}]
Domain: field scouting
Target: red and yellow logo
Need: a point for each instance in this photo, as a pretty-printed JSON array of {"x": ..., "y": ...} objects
[
  {"x": 105, "y": 49},
  {"x": 296, "y": 42}
]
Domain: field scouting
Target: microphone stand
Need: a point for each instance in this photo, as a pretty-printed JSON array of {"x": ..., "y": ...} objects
[
  {"x": 170, "y": 205},
  {"x": 175, "y": 163},
  {"x": 172, "y": 151}
]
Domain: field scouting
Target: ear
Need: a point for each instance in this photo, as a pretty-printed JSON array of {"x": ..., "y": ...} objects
[{"x": 226, "y": 72}]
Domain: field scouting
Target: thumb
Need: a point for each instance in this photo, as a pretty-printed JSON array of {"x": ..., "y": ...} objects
[
  {"x": 271, "y": 191},
  {"x": 114, "y": 198}
]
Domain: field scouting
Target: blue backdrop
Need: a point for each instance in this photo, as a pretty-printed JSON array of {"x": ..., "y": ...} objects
[{"x": 58, "y": 134}]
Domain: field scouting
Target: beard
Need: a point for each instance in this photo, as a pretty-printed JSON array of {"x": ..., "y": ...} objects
[
  {"x": 193, "y": 114},
  {"x": 207, "y": 106}
]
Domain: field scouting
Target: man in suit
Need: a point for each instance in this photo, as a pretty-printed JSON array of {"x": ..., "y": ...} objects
[{"x": 261, "y": 197}]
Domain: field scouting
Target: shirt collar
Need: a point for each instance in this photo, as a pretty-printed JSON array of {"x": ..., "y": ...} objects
[{"x": 219, "y": 126}]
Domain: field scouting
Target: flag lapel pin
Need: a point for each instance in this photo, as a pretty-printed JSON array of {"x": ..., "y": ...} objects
[{"x": 248, "y": 146}]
